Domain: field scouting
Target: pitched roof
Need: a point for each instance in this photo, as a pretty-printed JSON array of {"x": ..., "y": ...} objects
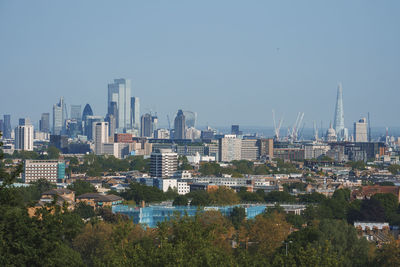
[
  {"x": 58, "y": 191},
  {"x": 99, "y": 197}
]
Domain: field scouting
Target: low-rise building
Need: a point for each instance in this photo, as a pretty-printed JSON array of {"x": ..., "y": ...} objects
[{"x": 97, "y": 200}]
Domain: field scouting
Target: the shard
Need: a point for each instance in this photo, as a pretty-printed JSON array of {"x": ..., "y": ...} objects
[{"x": 338, "y": 122}]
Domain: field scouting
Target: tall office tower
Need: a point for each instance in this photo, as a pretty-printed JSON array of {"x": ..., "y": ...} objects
[
  {"x": 235, "y": 130},
  {"x": 24, "y": 137},
  {"x": 120, "y": 92},
  {"x": 163, "y": 163},
  {"x": 76, "y": 112},
  {"x": 190, "y": 118},
  {"x": 146, "y": 127},
  {"x": 90, "y": 121},
  {"x": 361, "y": 130},
  {"x": 87, "y": 111},
  {"x": 179, "y": 125},
  {"x": 113, "y": 109},
  {"x": 24, "y": 121},
  {"x": 44, "y": 123},
  {"x": 100, "y": 136},
  {"x": 7, "y": 126},
  {"x": 1, "y": 126},
  {"x": 154, "y": 120},
  {"x": 135, "y": 114},
  {"x": 59, "y": 117},
  {"x": 338, "y": 125},
  {"x": 230, "y": 148},
  {"x": 111, "y": 124}
]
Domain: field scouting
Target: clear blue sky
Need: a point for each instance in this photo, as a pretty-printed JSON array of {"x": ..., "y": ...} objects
[{"x": 230, "y": 61}]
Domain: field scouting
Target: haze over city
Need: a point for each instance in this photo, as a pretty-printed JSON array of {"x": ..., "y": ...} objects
[{"x": 232, "y": 62}]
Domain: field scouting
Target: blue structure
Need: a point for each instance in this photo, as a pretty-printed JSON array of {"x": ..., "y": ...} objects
[
  {"x": 61, "y": 170},
  {"x": 152, "y": 215}
]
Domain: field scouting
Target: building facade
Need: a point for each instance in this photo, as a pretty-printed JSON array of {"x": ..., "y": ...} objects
[
  {"x": 361, "y": 130},
  {"x": 50, "y": 170},
  {"x": 146, "y": 127},
  {"x": 230, "y": 148},
  {"x": 100, "y": 136},
  {"x": 179, "y": 125},
  {"x": 120, "y": 92},
  {"x": 163, "y": 163},
  {"x": 135, "y": 112},
  {"x": 44, "y": 123},
  {"x": 24, "y": 137}
]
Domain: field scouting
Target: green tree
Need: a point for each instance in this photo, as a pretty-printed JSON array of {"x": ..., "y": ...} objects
[
  {"x": 280, "y": 196},
  {"x": 237, "y": 216},
  {"x": 223, "y": 196},
  {"x": 53, "y": 152},
  {"x": 180, "y": 200},
  {"x": 81, "y": 187},
  {"x": 199, "y": 198},
  {"x": 394, "y": 169},
  {"x": 84, "y": 211}
]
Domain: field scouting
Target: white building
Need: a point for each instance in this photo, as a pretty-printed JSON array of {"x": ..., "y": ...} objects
[
  {"x": 24, "y": 137},
  {"x": 230, "y": 148},
  {"x": 183, "y": 188},
  {"x": 100, "y": 136},
  {"x": 162, "y": 134},
  {"x": 49, "y": 170},
  {"x": 361, "y": 130},
  {"x": 192, "y": 133},
  {"x": 164, "y": 184},
  {"x": 163, "y": 163}
]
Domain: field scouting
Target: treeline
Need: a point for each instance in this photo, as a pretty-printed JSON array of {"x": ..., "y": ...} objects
[
  {"x": 58, "y": 237},
  {"x": 94, "y": 165}
]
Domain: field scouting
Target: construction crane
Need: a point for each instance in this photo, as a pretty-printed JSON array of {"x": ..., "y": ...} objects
[
  {"x": 293, "y": 132},
  {"x": 277, "y": 129}
]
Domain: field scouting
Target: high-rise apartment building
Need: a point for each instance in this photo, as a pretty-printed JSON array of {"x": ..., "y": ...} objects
[
  {"x": 7, "y": 126},
  {"x": 59, "y": 117},
  {"x": 146, "y": 127},
  {"x": 163, "y": 163},
  {"x": 44, "y": 123},
  {"x": 24, "y": 137},
  {"x": 120, "y": 92},
  {"x": 179, "y": 125},
  {"x": 100, "y": 136},
  {"x": 230, "y": 148},
  {"x": 361, "y": 130},
  {"x": 135, "y": 114}
]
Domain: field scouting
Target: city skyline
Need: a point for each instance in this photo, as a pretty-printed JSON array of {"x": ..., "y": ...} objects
[{"x": 279, "y": 57}]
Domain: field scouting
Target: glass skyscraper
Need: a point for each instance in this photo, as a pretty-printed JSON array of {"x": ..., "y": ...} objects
[
  {"x": 120, "y": 92},
  {"x": 135, "y": 114}
]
